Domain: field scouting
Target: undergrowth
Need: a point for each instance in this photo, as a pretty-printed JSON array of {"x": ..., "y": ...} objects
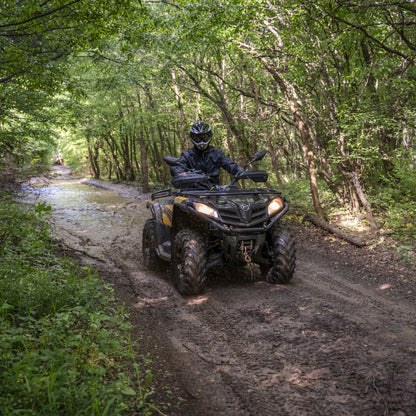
[
  {"x": 394, "y": 211},
  {"x": 64, "y": 346}
]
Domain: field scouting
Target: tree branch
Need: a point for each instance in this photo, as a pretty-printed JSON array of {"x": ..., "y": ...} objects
[{"x": 40, "y": 15}]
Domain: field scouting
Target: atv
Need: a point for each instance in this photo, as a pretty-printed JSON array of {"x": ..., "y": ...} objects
[{"x": 197, "y": 226}]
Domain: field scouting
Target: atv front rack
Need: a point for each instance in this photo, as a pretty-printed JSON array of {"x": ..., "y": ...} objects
[
  {"x": 227, "y": 192},
  {"x": 165, "y": 193}
]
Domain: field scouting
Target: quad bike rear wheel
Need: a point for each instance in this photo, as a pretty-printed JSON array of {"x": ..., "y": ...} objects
[
  {"x": 282, "y": 254},
  {"x": 189, "y": 262},
  {"x": 150, "y": 257}
]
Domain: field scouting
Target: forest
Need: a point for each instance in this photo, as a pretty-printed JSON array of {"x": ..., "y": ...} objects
[{"x": 326, "y": 86}]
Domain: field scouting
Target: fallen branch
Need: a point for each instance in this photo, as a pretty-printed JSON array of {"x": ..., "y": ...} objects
[{"x": 319, "y": 222}]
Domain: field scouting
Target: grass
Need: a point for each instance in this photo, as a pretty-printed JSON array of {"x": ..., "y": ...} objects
[{"x": 65, "y": 348}]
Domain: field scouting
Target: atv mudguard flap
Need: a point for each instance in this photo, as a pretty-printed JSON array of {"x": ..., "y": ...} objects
[{"x": 163, "y": 214}]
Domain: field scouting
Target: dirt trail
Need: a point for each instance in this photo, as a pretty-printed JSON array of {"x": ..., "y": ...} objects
[{"x": 340, "y": 339}]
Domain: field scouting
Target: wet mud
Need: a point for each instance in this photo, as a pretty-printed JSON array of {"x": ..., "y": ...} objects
[{"x": 339, "y": 339}]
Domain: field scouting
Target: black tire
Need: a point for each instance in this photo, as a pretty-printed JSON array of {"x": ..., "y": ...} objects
[
  {"x": 282, "y": 254},
  {"x": 150, "y": 258},
  {"x": 189, "y": 262}
]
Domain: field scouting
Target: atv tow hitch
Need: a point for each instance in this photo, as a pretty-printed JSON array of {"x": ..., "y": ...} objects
[{"x": 246, "y": 250}]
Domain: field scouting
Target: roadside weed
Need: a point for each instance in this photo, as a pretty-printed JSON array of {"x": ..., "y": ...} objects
[{"x": 65, "y": 349}]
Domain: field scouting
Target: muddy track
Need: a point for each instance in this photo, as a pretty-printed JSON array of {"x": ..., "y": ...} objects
[{"x": 340, "y": 339}]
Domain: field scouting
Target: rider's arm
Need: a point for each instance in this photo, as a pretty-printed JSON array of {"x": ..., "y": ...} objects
[
  {"x": 229, "y": 165},
  {"x": 184, "y": 161}
]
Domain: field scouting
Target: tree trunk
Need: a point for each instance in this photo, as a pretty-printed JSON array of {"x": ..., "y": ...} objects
[
  {"x": 331, "y": 185},
  {"x": 263, "y": 118},
  {"x": 93, "y": 153},
  {"x": 163, "y": 141},
  {"x": 183, "y": 136},
  {"x": 274, "y": 159},
  {"x": 364, "y": 201},
  {"x": 289, "y": 96},
  {"x": 110, "y": 169},
  {"x": 319, "y": 222},
  {"x": 143, "y": 161},
  {"x": 112, "y": 147}
]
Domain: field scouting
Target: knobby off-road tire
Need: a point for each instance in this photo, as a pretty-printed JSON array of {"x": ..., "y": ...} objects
[
  {"x": 282, "y": 254},
  {"x": 150, "y": 258},
  {"x": 189, "y": 262}
]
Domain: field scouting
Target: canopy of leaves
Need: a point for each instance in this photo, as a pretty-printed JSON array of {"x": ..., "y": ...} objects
[
  {"x": 326, "y": 86},
  {"x": 36, "y": 39}
]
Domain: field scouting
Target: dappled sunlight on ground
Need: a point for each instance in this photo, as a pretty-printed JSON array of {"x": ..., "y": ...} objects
[
  {"x": 197, "y": 300},
  {"x": 385, "y": 286},
  {"x": 144, "y": 302},
  {"x": 349, "y": 222}
]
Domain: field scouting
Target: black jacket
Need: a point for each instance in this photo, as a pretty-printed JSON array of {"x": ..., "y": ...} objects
[{"x": 209, "y": 161}]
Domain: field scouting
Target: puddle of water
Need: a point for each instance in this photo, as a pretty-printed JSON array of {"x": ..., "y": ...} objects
[
  {"x": 71, "y": 194},
  {"x": 96, "y": 221},
  {"x": 88, "y": 207}
]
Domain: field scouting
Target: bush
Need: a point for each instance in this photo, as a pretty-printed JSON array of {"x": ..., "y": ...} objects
[
  {"x": 405, "y": 172},
  {"x": 64, "y": 349}
]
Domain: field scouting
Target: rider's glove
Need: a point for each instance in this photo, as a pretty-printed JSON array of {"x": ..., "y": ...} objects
[{"x": 240, "y": 171}]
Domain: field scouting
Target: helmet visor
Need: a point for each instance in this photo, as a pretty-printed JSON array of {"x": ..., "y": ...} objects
[{"x": 199, "y": 138}]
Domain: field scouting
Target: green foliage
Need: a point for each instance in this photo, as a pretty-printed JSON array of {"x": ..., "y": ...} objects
[
  {"x": 36, "y": 40},
  {"x": 395, "y": 198},
  {"x": 64, "y": 349},
  {"x": 127, "y": 78},
  {"x": 35, "y": 36},
  {"x": 297, "y": 191},
  {"x": 404, "y": 173},
  {"x": 399, "y": 216}
]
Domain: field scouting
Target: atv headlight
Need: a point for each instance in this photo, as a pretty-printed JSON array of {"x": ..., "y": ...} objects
[
  {"x": 275, "y": 205},
  {"x": 206, "y": 209}
]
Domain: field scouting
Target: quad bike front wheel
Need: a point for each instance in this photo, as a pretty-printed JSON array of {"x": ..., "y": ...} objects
[
  {"x": 150, "y": 257},
  {"x": 282, "y": 255},
  {"x": 189, "y": 262}
]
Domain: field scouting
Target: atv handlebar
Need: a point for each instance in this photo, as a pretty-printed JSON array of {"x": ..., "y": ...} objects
[
  {"x": 258, "y": 156},
  {"x": 196, "y": 176}
]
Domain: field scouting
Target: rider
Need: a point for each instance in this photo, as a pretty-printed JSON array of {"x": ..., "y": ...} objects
[{"x": 204, "y": 157}]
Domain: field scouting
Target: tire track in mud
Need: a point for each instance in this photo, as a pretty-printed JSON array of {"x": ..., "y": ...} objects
[
  {"x": 381, "y": 325},
  {"x": 264, "y": 370},
  {"x": 267, "y": 358},
  {"x": 375, "y": 305},
  {"x": 271, "y": 356}
]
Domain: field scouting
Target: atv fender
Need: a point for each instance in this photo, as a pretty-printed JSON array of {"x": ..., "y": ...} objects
[
  {"x": 163, "y": 216},
  {"x": 184, "y": 217}
]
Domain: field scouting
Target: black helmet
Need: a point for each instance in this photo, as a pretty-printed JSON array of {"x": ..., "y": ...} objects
[{"x": 200, "y": 135}]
